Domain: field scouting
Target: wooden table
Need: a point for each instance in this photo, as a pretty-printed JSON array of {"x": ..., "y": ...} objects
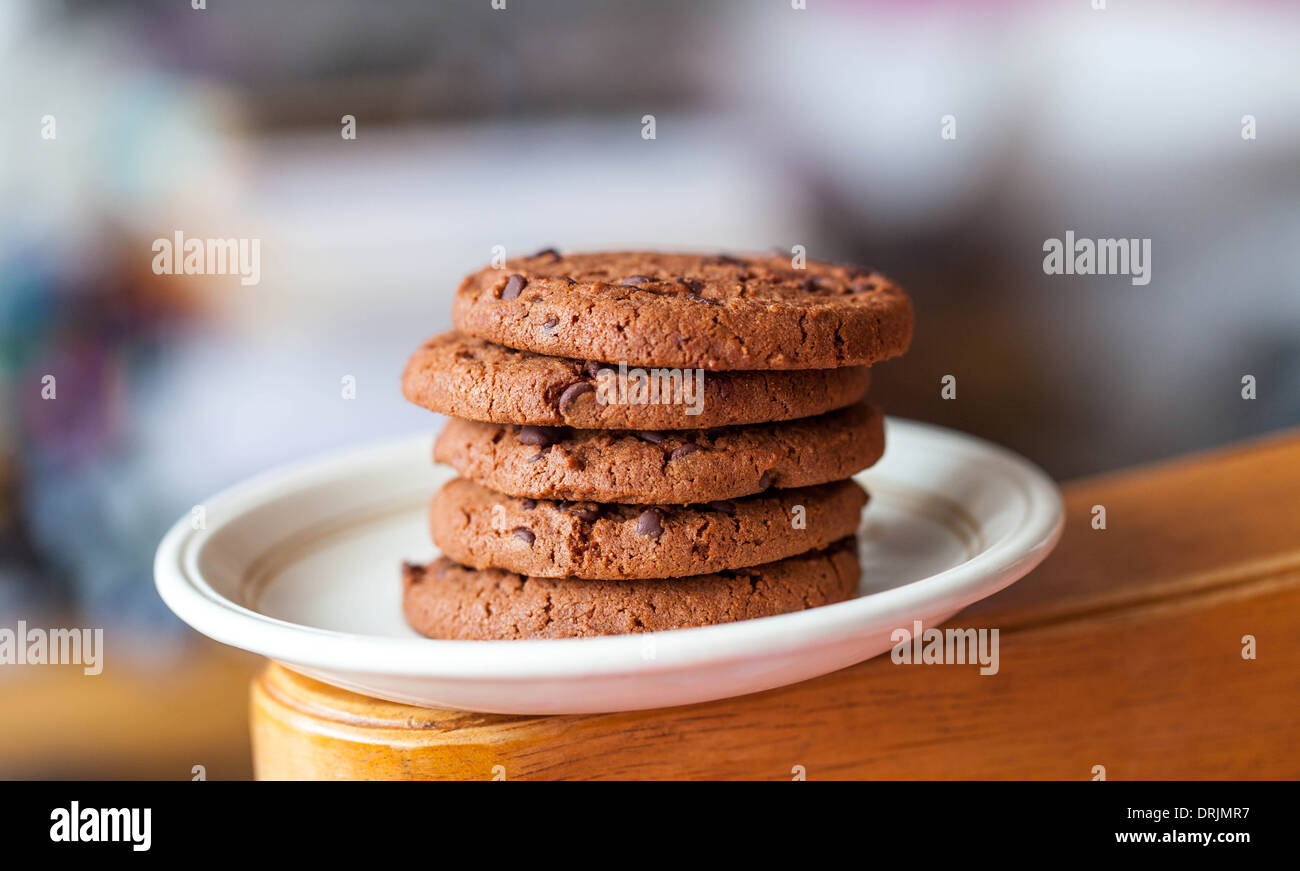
[{"x": 1123, "y": 650}]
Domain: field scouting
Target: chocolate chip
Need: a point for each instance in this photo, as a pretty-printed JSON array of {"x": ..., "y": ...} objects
[
  {"x": 650, "y": 523},
  {"x": 587, "y": 511},
  {"x": 566, "y": 279},
  {"x": 765, "y": 480},
  {"x": 723, "y": 507},
  {"x": 594, "y": 368},
  {"x": 529, "y": 504},
  {"x": 524, "y": 534},
  {"x": 551, "y": 324},
  {"x": 540, "y": 436},
  {"x": 694, "y": 288},
  {"x": 540, "y": 455},
  {"x": 637, "y": 280},
  {"x": 684, "y": 450},
  {"x": 514, "y": 285},
  {"x": 549, "y": 253},
  {"x": 654, "y": 438},
  {"x": 572, "y": 392}
]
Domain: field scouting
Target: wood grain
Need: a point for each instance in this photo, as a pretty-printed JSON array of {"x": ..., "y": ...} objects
[{"x": 1124, "y": 650}]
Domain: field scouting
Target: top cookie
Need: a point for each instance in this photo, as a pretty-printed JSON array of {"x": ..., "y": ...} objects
[{"x": 688, "y": 310}]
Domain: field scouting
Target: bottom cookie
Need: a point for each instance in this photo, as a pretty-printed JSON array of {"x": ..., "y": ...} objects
[{"x": 450, "y": 601}]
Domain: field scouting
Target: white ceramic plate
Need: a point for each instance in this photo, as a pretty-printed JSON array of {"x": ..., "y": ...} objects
[{"x": 303, "y": 565}]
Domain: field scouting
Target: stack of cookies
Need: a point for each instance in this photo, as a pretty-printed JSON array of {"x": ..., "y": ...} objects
[{"x": 649, "y": 441}]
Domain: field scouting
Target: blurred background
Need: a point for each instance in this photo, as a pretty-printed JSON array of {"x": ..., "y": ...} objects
[{"x": 478, "y": 127}]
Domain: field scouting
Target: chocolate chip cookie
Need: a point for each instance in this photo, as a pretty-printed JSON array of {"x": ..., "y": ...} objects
[
  {"x": 663, "y": 467},
  {"x": 481, "y": 528},
  {"x": 466, "y": 377},
  {"x": 445, "y": 600},
  {"x": 688, "y": 310}
]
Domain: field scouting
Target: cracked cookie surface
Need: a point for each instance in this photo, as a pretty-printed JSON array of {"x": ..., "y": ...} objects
[
  {"x": 481, "y": 528},
  {"x": 688, "y": 310},
  {"x": 446, "y": 600},
  {"x": 673, "y": 467}
]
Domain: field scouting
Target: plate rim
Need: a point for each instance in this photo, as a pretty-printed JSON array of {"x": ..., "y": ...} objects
[{"x": 207, "y": 611}]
